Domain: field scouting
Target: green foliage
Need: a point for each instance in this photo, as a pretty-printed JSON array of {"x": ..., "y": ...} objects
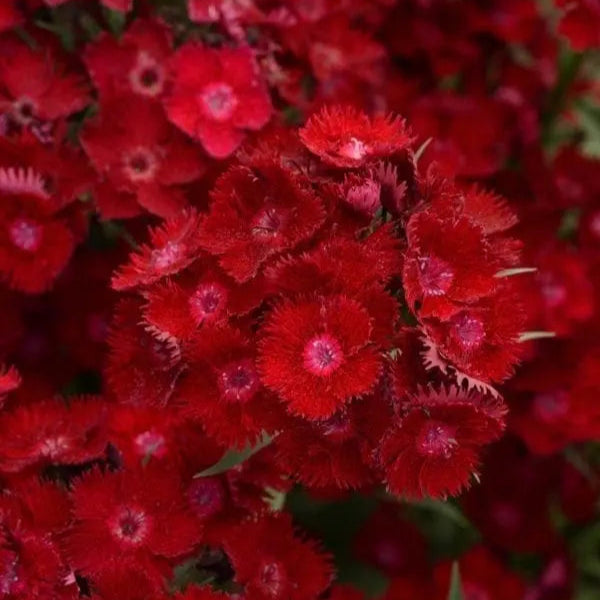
[{"x": 455, "y": 592}]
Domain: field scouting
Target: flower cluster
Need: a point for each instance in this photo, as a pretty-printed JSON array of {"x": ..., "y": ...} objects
[{"x": 258, "y": 330}]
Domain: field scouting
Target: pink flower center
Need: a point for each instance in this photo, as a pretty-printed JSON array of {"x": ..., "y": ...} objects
[
  {"x": 435, "y": 275},
  {"x": 24, "y": 111},
  {"x": 218, "y": 101},
  {"x": 25, "y": 235},
  {"x": 54, "y": 447},
  {"x": 206, "y": 496},
  {"x": 147, "y": 78},
  {"x": 239, "y": 381},
  {"x": 468, "y": 330},
  {"x": 272, "y": 579},
  {"x": 167, "y": 256},
  {"x": 141, "y": 165},
  {"x": 150, "y": 443},
  {"x": 130, "y": 525},
  {"x": 436, "y": 439},
  {"x": 551, "y": 406},
  {"x": 338, "y": 427},
  {"x": 323, "y": 355},
  {"x": 354, "y": 149},
  {"x": 553, "y": 291},
  {"x": 268, "y": 222},
  {"x": 208, "y": 302}
]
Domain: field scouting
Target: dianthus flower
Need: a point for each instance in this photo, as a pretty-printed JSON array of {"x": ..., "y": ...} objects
[
  {"x": 217, "y": 95},
  {"x": 257, "y": 213},
  {"x": 136, "y": 514},
  {"x": 134, "y": 64},
  {"x": 133, "y": 145},
  {"x": 273, "y": 564},
  {"x": 433, "y": 448},
  {"x": 318, "y": 353},
  {"x": 344, "y": 137}
]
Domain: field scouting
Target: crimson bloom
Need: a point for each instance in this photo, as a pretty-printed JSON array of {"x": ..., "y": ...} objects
[
  {"x": 139, "y": 152},
  {"x": 216, "y": 95},
  {"x": 273, "y": 564},
  {"x": 257, "y": 213},
  {"x": 318, "y": 353},
  {"x": 432, "y": 449},
  {"x": 135, "y": 514},
  {"x": 344, "y": 137}
]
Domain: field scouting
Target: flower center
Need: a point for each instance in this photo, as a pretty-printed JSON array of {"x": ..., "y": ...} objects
[
  {"x": 147, "y": 78},
  {"x": 239, "y": 381},
  {"x": 436, "y": 439},
  {"x": 130, "y": 526},
  {"x": 208, "y": 302},
  {"x": 553, "y": 291},
  {"x": 218, "y": 101},
  {"x": 435, "y": 275},
  {"x": 272, "y": 579},
  {"x": 150, "y": 443},
  {"x": 167, "y": 256},
  {"x": 24, "y": 111},
  {"x": 338, "y": 426},
  {"x": 468, "y": 330},
  {"x": 206, "y": 496},
  {"x": 354, "y": 149},
  {"x": 550, "y": 406},
  {"x": 268, "y": 222},
  {"x": 141, "y": 165},
  {"x": 323, "y": 355},
  {"x": 53, "y": 447},
  {"x": 25, "y": 235}
]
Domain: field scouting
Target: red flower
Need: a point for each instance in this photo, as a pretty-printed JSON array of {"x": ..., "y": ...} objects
[
  {"x": 50, "y": 432},
  {"x": 481, "y": 341},
  {"x": 344, "y": 137},
  {"x": 134, "y": 63},
  {"x": 273, "y": 564},
  {"x": 223, "y": 388},
  {"x": 143, "y": 367},
  {"x": 10, "y": 380},
  {"x": 335, "y": 451},
  {"x": 255, "y": 214},
  {"x": 35, "y": 246},
  {"x": 317, "y": 354},
  {"x": 135, "y": 147},
  {"x": 173, "y": 246},
  {"x": 127, "y": 582},
  {"x": 137, "y": 515},
  {"x": 447, "y": 263},
  {"x": 202, "y": 295},
  {"x": 217, "y": 94},
  {"x": 432, "y": 449},
  {"x": 35, "y": 86}
]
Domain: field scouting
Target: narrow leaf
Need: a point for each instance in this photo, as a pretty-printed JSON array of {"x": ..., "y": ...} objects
[
  {"x": 514, "y": 271},
  {"x": 527, "y": 336},
  {"x": 455, "y": 592}
]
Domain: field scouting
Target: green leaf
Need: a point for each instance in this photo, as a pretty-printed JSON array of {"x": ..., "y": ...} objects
[
  {"x": 115, "y": 20},
  {"x": 455, "y": 592},
  {"x": 232, "y": 458}
]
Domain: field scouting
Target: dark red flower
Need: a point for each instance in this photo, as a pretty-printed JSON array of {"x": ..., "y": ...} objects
[
  {"x": 580, "y": 23},
  {"x": 433, "y": 448},
  {"x": 344, "y": 137},
  {"x": 317, "y": 354},
  {"x": 274, "y": 564},
  {"x": 133, "y": 64},
  {"x": 50, "y": 432},
  {"x": 137, "y": 514},
  {"x": 173, "y": 246},
  {"x": 35, "y": 86},
  {"x": 257, "y": 213},
  {"x": 139, "y": 152},
  {"x": 217, "y": 95}
]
